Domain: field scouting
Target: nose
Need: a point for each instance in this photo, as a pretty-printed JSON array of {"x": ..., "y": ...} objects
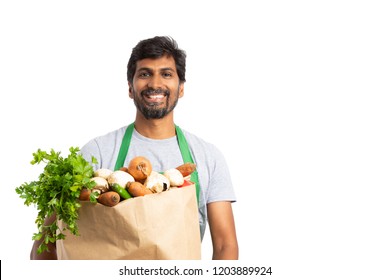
[{"x": 155, "y": 82}]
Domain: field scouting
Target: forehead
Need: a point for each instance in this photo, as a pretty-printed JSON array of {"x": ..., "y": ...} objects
[{"x": 164, "y": 62}]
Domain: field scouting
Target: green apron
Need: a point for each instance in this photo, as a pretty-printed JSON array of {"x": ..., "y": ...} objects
[{"x": 183, "y": 145}]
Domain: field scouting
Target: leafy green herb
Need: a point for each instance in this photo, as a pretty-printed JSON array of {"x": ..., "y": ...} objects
[{"x": 56, "y": 192}]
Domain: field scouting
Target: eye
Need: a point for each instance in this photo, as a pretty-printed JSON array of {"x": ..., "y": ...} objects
[
  {"x": 167, "y": 74},
  {"x": 144, "y": 74}
]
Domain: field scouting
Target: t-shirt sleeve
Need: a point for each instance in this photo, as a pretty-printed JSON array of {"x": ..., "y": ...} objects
[
  {"x": 89, "y": 150},
  {"x": 220, "y": 184}
]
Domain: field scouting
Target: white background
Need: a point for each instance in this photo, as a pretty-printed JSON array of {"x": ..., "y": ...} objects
[{"x": 294, "y": 93}]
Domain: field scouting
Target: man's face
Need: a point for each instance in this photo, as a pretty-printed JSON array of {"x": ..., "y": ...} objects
[{"x": 156, "y": 87}]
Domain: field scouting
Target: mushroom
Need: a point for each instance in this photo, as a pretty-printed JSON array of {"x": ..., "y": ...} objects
[
  {"x": 157, "y": 182},
  {"x": 102, "y": 172},
  {"x": 174, "y": 176},
  {"x": 101, "y": 185},
  {"x": 120, "y": 177}
]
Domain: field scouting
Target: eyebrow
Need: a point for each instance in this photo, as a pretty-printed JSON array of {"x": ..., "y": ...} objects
[{"x": 150, "y": 69}]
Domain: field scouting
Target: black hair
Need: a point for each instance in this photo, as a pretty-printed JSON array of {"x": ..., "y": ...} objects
[{"x": 155, "y": 48}]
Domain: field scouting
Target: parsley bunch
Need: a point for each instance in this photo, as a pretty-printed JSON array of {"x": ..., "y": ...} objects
[{"x": 57, "y": 192}]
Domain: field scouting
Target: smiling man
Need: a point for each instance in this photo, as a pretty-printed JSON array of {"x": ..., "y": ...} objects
[
  {"x": 155, "y": 87},
  {"x": 156, "y": 77}
]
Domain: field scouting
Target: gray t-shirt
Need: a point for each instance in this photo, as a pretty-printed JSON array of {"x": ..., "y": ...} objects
[{"x": 214, "y": 177}]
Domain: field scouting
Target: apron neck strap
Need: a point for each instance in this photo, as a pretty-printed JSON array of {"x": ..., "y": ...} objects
[{"x": 120, "y": 161}]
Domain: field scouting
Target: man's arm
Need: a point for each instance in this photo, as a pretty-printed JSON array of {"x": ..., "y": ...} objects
[
  {"x": 223, "y": 230},
  {"x": 46, "y": 255}
]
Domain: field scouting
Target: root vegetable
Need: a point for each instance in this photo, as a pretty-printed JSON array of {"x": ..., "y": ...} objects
[
  {"x": 157, "y": 182},
  {"x": 174, "y": 176},
  {"x": 140, "y": 168},
  {"x": 109, "y": 198},
  {"x": 124, "y": 168},
  {"x": 102, "y": 172},
  {"x": 85, "y": 194},
  {"x": 120, "y": 177},
  {"x": 186, "y": 168},
  {"x": 137, "y": 189}
]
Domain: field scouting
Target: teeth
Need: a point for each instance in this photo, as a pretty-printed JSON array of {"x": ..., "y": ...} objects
[{"x": 156, "y": 96}]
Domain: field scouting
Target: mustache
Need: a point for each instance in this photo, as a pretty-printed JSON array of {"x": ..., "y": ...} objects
[{"x": 155, "y": 91}]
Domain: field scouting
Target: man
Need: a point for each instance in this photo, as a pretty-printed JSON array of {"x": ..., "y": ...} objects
[{"x": 156, "y": 76}]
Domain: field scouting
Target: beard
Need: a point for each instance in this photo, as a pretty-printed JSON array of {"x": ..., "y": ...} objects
[{"x": 155, "y": 110}]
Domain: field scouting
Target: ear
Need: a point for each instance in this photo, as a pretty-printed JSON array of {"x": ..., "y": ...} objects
[
  {"x": 131, "y": 93},
  {"x": 181, "y": 90}
]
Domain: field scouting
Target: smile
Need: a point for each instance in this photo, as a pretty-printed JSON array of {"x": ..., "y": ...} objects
[
  {"x": 154, "y": 99},
  {"x": 155, "y": 96}
]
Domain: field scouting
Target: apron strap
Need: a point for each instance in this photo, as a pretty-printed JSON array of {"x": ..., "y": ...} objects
[
  {"x": 183, "y": 146},
  {"x": 120, "y": 161},
  {"x": 187, "y": 157}
]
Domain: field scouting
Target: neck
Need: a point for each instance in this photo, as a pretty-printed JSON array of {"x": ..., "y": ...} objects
[{"x": 155, "y": 128}]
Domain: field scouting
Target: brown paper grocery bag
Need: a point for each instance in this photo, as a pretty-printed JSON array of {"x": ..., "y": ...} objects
[{"x": 162, "y": 226}]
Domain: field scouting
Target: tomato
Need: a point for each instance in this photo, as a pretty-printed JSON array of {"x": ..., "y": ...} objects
[{"x": 186, "y": 183}]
